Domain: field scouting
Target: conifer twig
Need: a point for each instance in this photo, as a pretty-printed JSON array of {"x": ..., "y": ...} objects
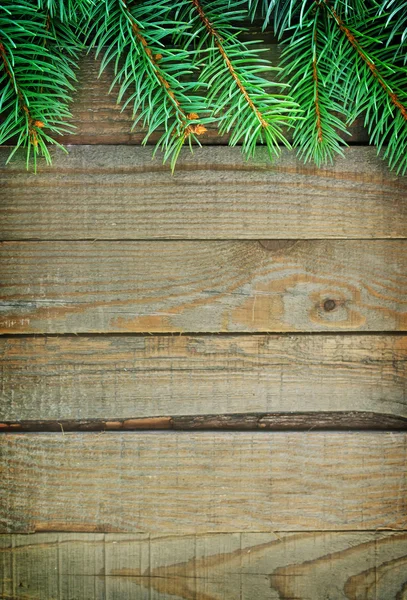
[
  {"x": 371, "y": 65},
  {"x": 239, "y": 95}
]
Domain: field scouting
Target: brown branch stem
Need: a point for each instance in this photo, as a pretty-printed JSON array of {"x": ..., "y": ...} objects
[
  {"x": 154, "y": 59},
  {"x": 31, "y": 121},
  {"x": 219, "y": 45},
  {"x": 316, "y": 83},
  {"x": 374, "y": 70}
]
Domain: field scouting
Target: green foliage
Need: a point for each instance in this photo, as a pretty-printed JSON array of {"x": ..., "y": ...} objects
[
  {"x": 246, "y": 104},
  {"x": 38, "y": 52},
  {"x": 154, "y": 78},
  {"x": 396, "y": 25},
  {"x": 182, "y": 66},
  {"x": 374, "y": 85},
  {"x": 309, "y": 64}
]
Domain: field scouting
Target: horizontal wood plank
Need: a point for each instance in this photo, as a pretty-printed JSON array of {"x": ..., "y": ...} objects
[
  {"x": 264, "y": 566},
  {"x": 118, "y": 192},
  {"x": 124, "y": 377},
  {"x": 197, "y": 482},
  {"x": 223, "y": 286},
  {"x": 98, "y": 119}
]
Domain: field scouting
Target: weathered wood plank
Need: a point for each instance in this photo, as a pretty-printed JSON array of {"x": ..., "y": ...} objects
[
  {"x": 98, "y": 119},
  {"x": 118, "y": 192},
  {"x": 60, "y": 287},
  {"x": 197, "y": 482},
  {"x": 264, "y": 566},
  {"x": 125, "y": 377}
]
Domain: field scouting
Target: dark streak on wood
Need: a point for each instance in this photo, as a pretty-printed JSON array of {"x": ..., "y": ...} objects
[{"x": 335, "y": 420}]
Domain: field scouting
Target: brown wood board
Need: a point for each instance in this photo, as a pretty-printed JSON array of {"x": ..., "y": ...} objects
[
  {"x": 124, "y": 379},
  {"x": 264, "y": 566},
  {"x": 222, "y": 286},
  {"x": 119, "y": 192},
  {"x": 202, "y": 482}
]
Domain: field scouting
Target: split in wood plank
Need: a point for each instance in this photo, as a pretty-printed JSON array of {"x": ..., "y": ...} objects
[
  {"x": 309, "y": 421},
  {"x": 216, "y": 286},
  {"x": 116, "y": 192},
  {"x": 120, "y": 377},
  {"x": 202, "y": 482},
  {"x": 264, "y": 566}
]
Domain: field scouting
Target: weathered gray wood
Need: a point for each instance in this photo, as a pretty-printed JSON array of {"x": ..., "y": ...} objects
[
  {"x": 57, "y": 287},
  {"x": 125, "y": 377},
  {"x": 264, "y": 566},
  {"x": 202, "y": 482},
  {"x": 98, "y": 119},
  {"x": 119, "y": 192}
]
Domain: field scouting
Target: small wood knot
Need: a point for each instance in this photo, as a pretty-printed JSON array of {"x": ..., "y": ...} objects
[{"x": 329, "y": 305}]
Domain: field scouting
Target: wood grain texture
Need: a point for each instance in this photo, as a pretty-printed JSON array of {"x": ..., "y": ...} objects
[
  {"x": 264, "y": 566},
  {"x": 126, "y": 377},
  {"x": 98, "y": 119},
  {"x": 223, "y": 286},
  {"x": 119, "y": 192},
  {"x": 202, "y": 482}
]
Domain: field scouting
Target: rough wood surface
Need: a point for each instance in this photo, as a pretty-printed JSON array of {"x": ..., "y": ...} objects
[
  {"x": 202, "y": 482},
  {"x": 248, "y": 566},
  {"x": 125, "y": 377},
  {"x": 98, "y": 119},
  {"x": 118, "y": 192},
  {"x": 222, "y": 286}
]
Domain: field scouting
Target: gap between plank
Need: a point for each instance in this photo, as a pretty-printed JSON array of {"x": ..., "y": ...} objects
[
  {"x": 299, "y": 421},
  {"x": 195, "y": 239},
  {"x": 216, "y": 334}
]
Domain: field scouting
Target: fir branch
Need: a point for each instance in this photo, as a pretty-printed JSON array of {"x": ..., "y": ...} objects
[
  {"x": 342, "y": 58},
  {"x": 233, "y": 72},
  {"x": 149, "y": 73},
  {"x": 32, "y": 124},
  {"x": 220, "y": 46},
  {"x": 375, "y": 86},
  {"x": 308, "y": 67},
  {"x": 36, "y": 78},
  {"x": 368, "y": 62},
  {"x": 316, "y": 90}
]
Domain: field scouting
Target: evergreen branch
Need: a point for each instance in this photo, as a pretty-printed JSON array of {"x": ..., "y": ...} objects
[
  {"x": 32, "y": 124},
  {"x": 341, "y": 58},
  {"x": 308, "y": 66},
  {"x": 365, "y": 58},
  {"x": 375, "y": 86},
  {"x": 218, "y": 43},
  {"x": 316, "y": 90},
  {"x": 150, "y": 74},
  {"x": 36, "y": 79},
  {"x": 232, "y": 71}
]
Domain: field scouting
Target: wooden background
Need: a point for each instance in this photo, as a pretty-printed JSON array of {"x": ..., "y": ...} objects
[{"x": 203, "y": 375}]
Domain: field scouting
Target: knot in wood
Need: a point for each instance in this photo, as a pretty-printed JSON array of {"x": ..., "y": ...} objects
[{"x": 329, "y": 305}]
